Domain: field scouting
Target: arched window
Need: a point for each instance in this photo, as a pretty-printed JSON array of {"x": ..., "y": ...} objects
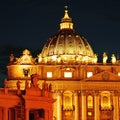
[
  {"x": 105, "y": 100},
  {"x": 90, "y": 101},
  {"x": 67, "y": 101}
]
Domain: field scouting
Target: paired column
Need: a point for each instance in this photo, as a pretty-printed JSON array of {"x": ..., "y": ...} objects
[
  {"x": 84, "y": 111},
  {"x": 96, "y": 106},
  {"x": 76, "y": 104},
  {"x": 116, "y": 107},
  {"x": 59, "y": 105}
]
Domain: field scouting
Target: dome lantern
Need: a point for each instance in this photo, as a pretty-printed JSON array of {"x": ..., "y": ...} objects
[{"x": 66, "y": 21}]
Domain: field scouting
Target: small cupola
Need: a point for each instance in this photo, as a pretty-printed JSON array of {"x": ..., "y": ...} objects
[{"x": 66, "y": 21}]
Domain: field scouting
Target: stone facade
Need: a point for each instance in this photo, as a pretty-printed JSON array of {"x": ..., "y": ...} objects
[{"x": 67, "y": 69}]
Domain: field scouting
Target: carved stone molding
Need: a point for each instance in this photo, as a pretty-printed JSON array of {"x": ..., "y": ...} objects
[
  {"x": 105, "y": 76},
  {"x": 96, "y": 93},
  {"x": 116, "y": 93}
]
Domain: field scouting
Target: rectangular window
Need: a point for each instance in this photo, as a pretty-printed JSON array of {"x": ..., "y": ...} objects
[
  {"x": 89, "y": 113},
  {"x": 67, "y": 74},
  {"x": 49, "y": 74},
  {"x": 89, "y": 74},
  {"x": 118, "y": 73}
]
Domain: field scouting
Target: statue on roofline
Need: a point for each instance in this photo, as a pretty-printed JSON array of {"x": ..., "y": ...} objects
[
  {"x": 113, "y": 59},
  {"x": 11, "y": 58},
  {"x": 105, "y": 58}
]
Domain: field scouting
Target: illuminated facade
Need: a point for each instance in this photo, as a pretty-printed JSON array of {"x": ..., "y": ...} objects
[{"x": 83, "y": 88}]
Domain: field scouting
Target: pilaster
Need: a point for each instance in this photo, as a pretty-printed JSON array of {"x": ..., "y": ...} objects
[
  {"x": 83, "y": 97},
  {"x": 96, "y": 106},
  {"x": 116, "y": 106},
  {"x": 46, "y": 115},
  {"x": 5, "y": 113},
  {"x": 59, "y": 105},
  {"x": 51, "y": 114},
  {"x": 26, "y": 114},
  {"x": 76, "y": 105}
]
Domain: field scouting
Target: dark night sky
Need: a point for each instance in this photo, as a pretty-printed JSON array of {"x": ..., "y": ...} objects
[{"x": 29, "y": 23}]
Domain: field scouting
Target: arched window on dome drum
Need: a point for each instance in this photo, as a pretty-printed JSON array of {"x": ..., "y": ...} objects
[{"x": 90, "y": 101}]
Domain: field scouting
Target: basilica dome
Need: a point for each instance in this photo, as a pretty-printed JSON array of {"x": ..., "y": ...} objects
[{"x": 67, "y": 45}]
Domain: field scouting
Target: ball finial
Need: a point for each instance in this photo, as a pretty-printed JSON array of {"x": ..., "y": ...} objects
[{"x": 66, "y": 7}]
